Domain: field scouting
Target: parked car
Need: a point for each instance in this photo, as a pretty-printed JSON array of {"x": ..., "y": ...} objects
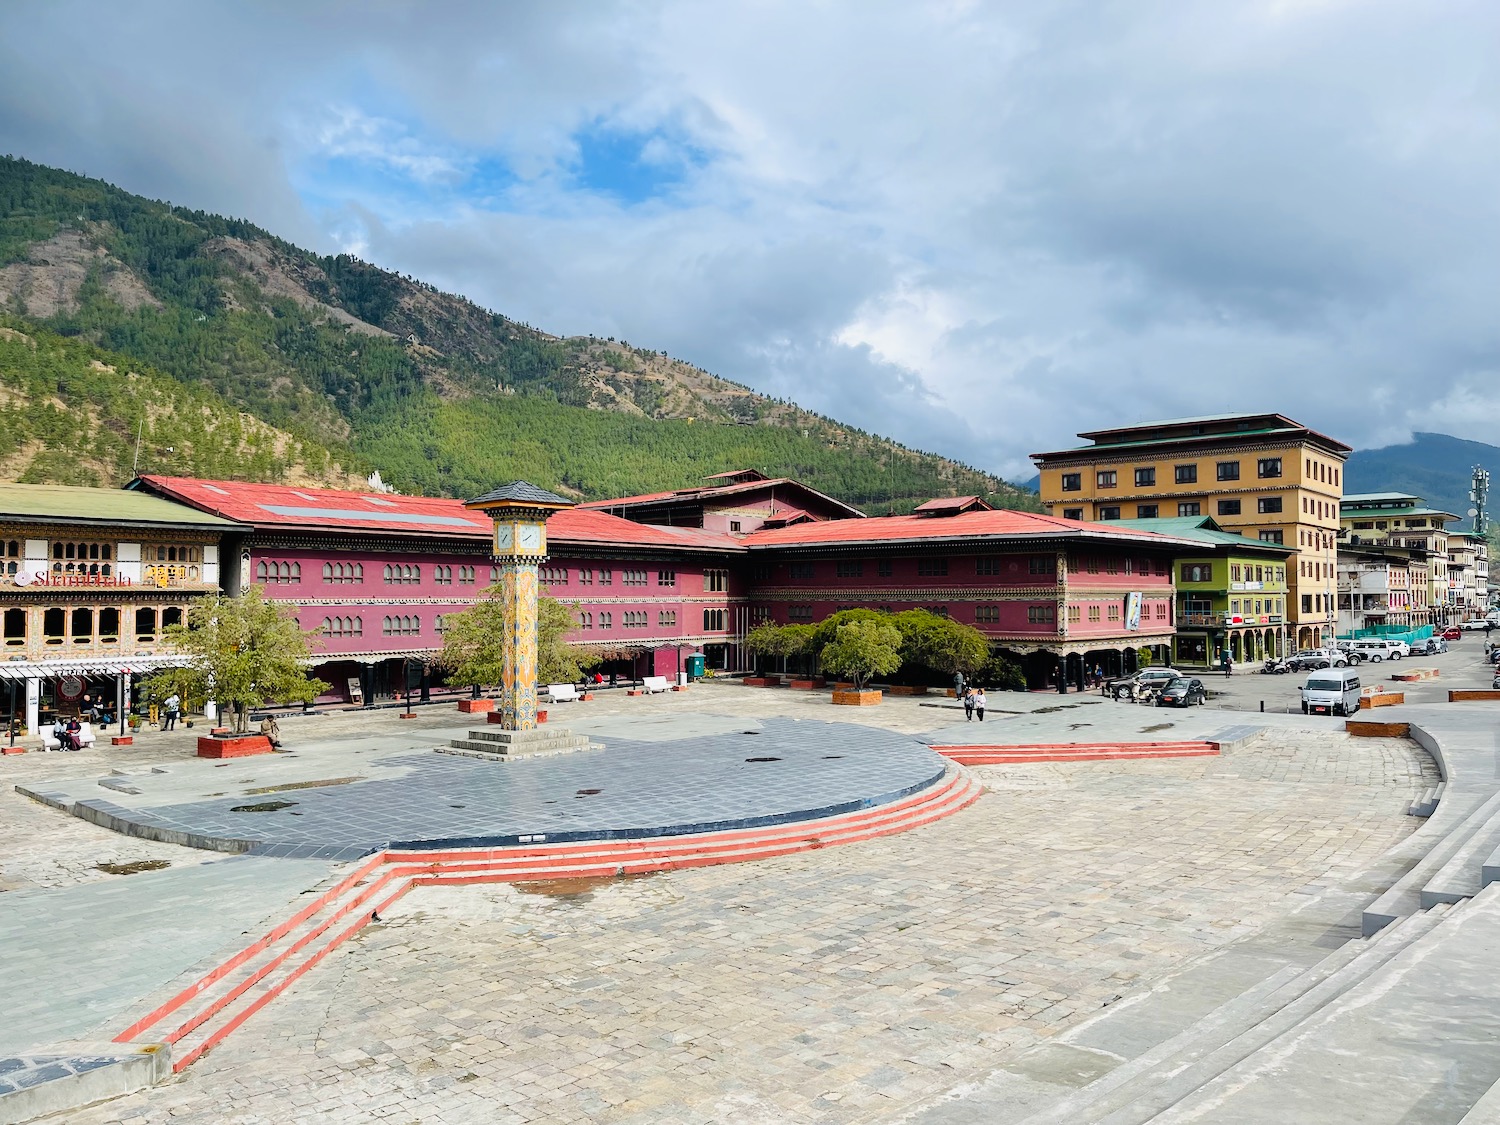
[
  {"x": 1128, "y": 687},
  {"x": 1375, "y": 650},
  {"x": 1473, "y": 624},
  {"x": 1310, "y": 658},
  {"x": 1451, "y": 633},
  {"x": 1430, "y": 647},
  {"x": 1495, "y": 683},
  {"x": 1184, "y": 691}
]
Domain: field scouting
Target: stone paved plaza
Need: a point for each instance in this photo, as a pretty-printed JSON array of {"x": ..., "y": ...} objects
[{"x": 859, "y": 983}]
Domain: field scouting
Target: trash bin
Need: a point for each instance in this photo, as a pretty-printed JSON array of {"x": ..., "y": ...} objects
[{"x": 695, "y": 666}]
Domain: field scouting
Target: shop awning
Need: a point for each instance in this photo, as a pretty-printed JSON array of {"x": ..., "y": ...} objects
[{"x": 88, "y": 666}]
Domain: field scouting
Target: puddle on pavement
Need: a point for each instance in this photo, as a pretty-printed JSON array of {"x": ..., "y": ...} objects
[
  {"x": 1156, "y": 727},
  {"x": 577, "y": 891},
  {"x": 263, "y": 806},
  {"x": 133, "y": 868},
  {"x": 762, "y": 759}
]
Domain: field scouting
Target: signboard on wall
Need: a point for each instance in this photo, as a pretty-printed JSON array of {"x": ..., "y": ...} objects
[
  {"x": 1133, "y": 610},
  {"x": 356, "y": 693}
]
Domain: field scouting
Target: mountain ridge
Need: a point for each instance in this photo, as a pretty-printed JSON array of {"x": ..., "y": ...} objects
[{"x": 388, "y": 372}]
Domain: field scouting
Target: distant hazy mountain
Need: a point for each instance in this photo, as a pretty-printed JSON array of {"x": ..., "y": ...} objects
[{"x": 1434, "y": 466}]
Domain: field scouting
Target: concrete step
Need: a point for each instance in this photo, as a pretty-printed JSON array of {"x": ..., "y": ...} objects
[
  {"x": 1413, "y": 1042},
  {"x": 1486, "y": 1111},
  {"x": 1461, "y": 876},
  {"x": 1137, "y": 1090},
  {"x": 1405, "y": 896}
]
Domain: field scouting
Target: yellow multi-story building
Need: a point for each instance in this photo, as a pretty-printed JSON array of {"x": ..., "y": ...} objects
[{"x": 1264, "y": 476}]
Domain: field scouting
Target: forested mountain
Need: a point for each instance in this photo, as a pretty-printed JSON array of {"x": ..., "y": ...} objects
[
  {"x": 357, "y": 368},
  {"x": 1436, "y": 467}
]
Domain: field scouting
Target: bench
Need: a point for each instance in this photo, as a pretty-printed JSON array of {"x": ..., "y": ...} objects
[
  {"x": 654, "y": 684},
  {"x": 85, "y": 737},
  {"x": 562, "y": 693}
]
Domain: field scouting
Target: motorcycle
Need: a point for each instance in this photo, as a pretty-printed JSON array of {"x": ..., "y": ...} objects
[{"x": 1277, "y": 666}]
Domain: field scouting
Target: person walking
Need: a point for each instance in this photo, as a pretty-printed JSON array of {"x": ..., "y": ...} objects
[
  {"x": 1228, "y": 667},
  {"x": 968, "y": 697},
  {"x": 171, "y": 708},
  {"x": 979, "y": 703},
  {"x": 958, "y": 684}
]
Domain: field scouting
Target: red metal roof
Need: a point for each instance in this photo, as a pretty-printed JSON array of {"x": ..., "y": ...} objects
[
  {"x": 279, "y": 505},
  {"x": 982, "y": 524},
  {"x": 712, "y": 491},
  {"x": 945, "y": 504}
]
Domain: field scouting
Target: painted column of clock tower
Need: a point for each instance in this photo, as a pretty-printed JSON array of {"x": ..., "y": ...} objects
[{"x": 519, "y": 511}]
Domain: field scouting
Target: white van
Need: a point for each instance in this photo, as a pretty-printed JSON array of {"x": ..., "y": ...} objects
[
  {"x": 1375, "y": 650},
  {"x": 1334, "y": 690}
]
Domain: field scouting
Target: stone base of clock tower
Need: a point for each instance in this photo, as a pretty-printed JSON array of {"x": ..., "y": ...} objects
[{"x": 508, "y": 745}]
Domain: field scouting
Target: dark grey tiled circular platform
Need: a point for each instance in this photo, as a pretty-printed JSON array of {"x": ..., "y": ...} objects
[{"x": 629, "y": 790}]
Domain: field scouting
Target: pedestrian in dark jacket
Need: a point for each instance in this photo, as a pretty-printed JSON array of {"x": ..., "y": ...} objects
[{"x": 968, "y": 705}]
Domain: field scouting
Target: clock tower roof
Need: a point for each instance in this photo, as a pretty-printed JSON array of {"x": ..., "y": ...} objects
[{"x": 519, "y": 492}]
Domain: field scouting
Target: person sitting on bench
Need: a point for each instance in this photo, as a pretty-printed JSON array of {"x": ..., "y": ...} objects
[{"x": 269, "y": 728}]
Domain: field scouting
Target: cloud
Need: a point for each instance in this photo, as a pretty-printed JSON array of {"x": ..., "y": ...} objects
[{"x": 977, "y": 227}]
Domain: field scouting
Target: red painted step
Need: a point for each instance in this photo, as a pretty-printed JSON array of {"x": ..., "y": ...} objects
[
  {"x": 1075, "y": 752},
  {"x": 200, "y": 1016}
]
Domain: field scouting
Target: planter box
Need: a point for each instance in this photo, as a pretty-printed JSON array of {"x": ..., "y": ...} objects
[
  {"x": 541, "y": 717},
  {"x": 407, "y": 715},
  {"x": 635, "y": 691},
  {"x": 762, "y": 681},
  {"x": 1377, "y": 730},
  {"x": 475, "y": 706},
  {"x": 586, "y": 697},
  {"x": 243, "y": 746},
  {"x": 12, "y": 749},
  {"x": 802, "y": 685},
  {"x": 851, "y": 698},
  {"x": 1389, "y": 699},
  {"x": 1471, "y": 695},
  {"x": 122, "y": 740},
  {"x": 679, "y": 687},
  {"x": 898, "y": 689},
  {"x": 1411, "y": 675}
]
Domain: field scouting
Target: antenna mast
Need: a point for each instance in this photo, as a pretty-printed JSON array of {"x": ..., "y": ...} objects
[{"x": 1479, "y": 493}]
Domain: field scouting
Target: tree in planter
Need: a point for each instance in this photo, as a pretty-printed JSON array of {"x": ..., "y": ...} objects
[
  {"x": 771, "y": 639},
  {"x": 862, "y": 649},
  {"x": 472, "y": 643},
  {"x": 243, "y": 652}
]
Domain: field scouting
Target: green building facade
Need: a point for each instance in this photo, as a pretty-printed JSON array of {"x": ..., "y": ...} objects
[{"x": 1232, "y": 596}]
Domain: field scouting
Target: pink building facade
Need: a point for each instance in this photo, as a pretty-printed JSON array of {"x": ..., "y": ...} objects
[{"x": 377, "y": 575}]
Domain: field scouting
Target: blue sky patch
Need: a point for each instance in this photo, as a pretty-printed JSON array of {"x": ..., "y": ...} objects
[{"x": 633, "y": 166}]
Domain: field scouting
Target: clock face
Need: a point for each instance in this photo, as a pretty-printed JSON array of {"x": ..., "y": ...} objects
[
  {"x": 529, "y": 537},
  {"x": 504, "y": 534}
]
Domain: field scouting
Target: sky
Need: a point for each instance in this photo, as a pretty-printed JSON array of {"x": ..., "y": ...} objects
[{"x": 978, "y": 228}]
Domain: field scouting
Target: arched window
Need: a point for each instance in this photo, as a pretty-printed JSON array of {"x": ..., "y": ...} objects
[
  {"x": 104, "y": 570},
  {"x": 359, "y": 572},
  {"x": 145, "y": 624},
  {"x": 296, "y": 572},
  {"x": 387, "y": 572},
  {"x": 172, "y": 615},
  {"x": 327, "y": 572},
  {"x": 327, "y": 625},
  {"x": 260, "y": 571}
]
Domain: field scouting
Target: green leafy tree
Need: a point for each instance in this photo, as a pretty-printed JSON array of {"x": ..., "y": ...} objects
[
  {"x": 940, "y": 643},
  {"x": 862, "y": 649},
  {"x": 473, "y": 639},
  {"x": 1001, "y": 673},
  {"x": 242, "y": 652},
  {"x": 771, "y": 639}
]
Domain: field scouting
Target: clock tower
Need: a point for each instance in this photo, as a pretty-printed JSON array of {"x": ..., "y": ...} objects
[{"x": 520, "y": 512}]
